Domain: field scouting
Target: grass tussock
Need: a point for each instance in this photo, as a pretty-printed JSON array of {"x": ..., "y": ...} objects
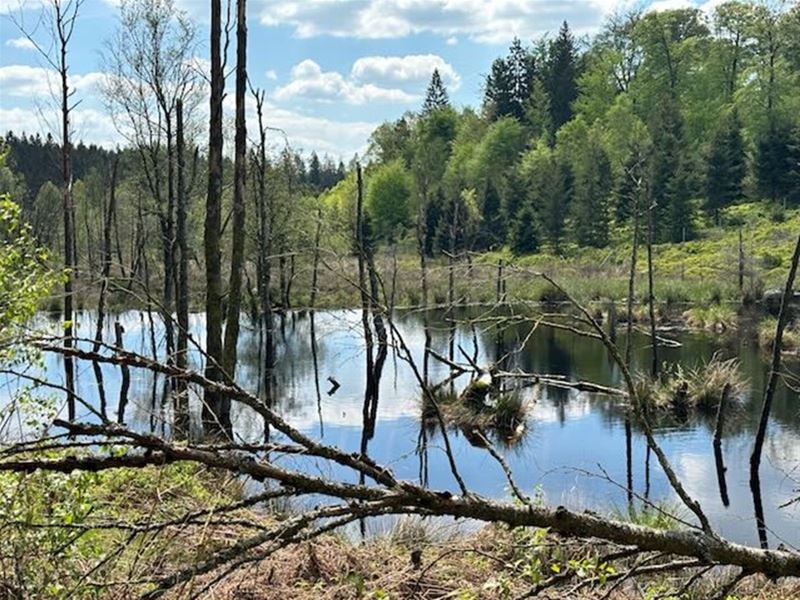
[
  {"x": 718, "y": 318},
  {"x": 501, "y": 414},
  {"x": 694, "y": 388}
]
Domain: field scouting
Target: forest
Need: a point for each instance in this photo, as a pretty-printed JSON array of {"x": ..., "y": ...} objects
[{"x": 560, "y": 327}]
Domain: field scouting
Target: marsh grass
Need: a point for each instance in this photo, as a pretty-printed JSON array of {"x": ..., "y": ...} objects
[
  {"x": 717, "y": 318},
  {"x": 694, "y": 388},
  {"x": 664, "y": 514},
  {"x": 791, "y": 336},
  {"x": 502, "y": 414}
]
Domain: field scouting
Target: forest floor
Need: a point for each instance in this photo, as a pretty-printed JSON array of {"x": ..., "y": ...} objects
[{"x": 406, "y": 558}]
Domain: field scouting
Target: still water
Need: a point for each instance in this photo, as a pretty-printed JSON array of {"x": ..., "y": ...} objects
[{"x": 571, "y": 440}]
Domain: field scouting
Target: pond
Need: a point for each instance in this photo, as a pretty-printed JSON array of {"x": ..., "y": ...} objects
[{"x": 573, "y": 448}]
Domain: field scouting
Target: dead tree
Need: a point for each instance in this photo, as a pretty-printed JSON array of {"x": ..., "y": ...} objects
[
  {"x": 774, "y": 374},
  {"x": 216, "y": 415},
  {"x": 239, "y": 184},
  {"x": 150, "y": 71},
  {"x": 60, "y": 18}
]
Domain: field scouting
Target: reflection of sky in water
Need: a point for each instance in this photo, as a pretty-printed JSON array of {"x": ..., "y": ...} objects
[{"x": 568, "y": 434}]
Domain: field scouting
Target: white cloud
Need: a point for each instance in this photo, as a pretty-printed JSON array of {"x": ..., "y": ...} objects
[
  {"x": 310, "y": 81},
  {"x": 491, "y": 21},
  {"x": 412, "y": 69},
  {"x": 21, "y": 43},
  {"x": 452, "y": 41},
  {"x": 88, "y": 125},
  {"x": 37, "y": 82},
  {"x": 17, "y": 6},
  {"x": 271, "y": 75}
]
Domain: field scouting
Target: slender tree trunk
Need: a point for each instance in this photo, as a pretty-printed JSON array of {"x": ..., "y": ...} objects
[
  {"x": 240, "y": 182},
  {"x": 69, "y": 212},
  {"x": 214, "y": 418},
  {"x": 775, "y": 366},
  {"x": 651, "y": 293},
  {"x": 423, "y": 267},
  {"x": 312, "y": 301},
  {"x": 108, "y": 218},
  {"x": 182, "y": 296},
  {"x": 265, "y": 236}
]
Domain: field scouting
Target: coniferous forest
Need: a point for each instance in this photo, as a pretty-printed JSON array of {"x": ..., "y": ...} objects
[{"x": 545, "y": 343}]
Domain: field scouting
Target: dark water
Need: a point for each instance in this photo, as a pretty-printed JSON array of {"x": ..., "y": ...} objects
[{"x": 571, "y": 438}]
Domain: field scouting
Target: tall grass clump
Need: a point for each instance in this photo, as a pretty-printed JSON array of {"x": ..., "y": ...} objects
[{"x": 695, "y": 388}]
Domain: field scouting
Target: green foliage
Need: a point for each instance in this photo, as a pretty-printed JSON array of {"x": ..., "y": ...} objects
[
  {"x": 389, "y": 200},
  {"x": 24, "y": 277}
]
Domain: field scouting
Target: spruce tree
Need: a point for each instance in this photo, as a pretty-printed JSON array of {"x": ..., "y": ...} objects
[
  {"x": 436, "y": 96},
  {"x": 776, "y": 163},
  {"x": 726, "y": 167},
  {"x": 524, "y": 235},
  {"x": 552, "y": 198},
  {"x": 592, "y": 187},
  {"x": 493, "y": 223},
  {"x": 669, "y": 175},
  {"x": 561, "y": 76},
  {"x": 314, "y": 172},
  {"x": 508, "y": 86}
]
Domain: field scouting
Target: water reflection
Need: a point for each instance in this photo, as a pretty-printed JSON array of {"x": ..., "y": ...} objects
[{"x": 568, "y": 432}]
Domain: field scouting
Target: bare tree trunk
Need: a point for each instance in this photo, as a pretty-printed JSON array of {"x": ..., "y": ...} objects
[
  {"x": 64, "y": 30},
  {"x": 182, "y": 296},
  {"x": 240, "y": 182},
  {"x": 423, "y": 267},
  {"x": 651, "y": 292},
  {"x": 126, "y": 376},
  {"x": 264, "y": 235},
  {"x": 108, "y": 218},
  {"x": 775, "y": 367},
  {"x": 315, "y": 267},
  {"x": 214, "y": 417}
]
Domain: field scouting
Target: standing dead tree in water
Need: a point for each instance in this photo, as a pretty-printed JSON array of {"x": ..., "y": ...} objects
[
  {"x": 769, "y": 392},
  {"x": 150, "y": 72},
  {"x": 239, "y": 185},
  {"x": 59, "y": 18},
  {"x": 216, "y": 412}
]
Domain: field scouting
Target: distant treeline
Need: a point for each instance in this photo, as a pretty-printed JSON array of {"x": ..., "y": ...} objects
[{"x": 677, "y": 110}]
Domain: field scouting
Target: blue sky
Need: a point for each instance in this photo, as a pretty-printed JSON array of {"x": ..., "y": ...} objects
[{"x": 332, "y": 69}]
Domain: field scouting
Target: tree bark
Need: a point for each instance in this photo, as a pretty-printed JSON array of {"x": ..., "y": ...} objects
[
  {"x": 240, "y": 182},
  {"x": 215, "y": 420},
  {"x": 182, "y": 295}
]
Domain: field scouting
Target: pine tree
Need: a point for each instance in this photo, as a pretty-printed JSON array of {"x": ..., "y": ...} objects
[
  {"x": 726, "y": 166},
  {"x": 436, "y": 96},
  {"x": 561, "y": 78},
  {"x": 524, "y": 236}
]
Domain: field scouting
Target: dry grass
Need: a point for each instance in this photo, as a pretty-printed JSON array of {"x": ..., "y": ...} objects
[{"x": 492, "y": 564}]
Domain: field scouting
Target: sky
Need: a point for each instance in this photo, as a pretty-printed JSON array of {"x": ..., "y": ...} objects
[{"x": 332, "y": 69}]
